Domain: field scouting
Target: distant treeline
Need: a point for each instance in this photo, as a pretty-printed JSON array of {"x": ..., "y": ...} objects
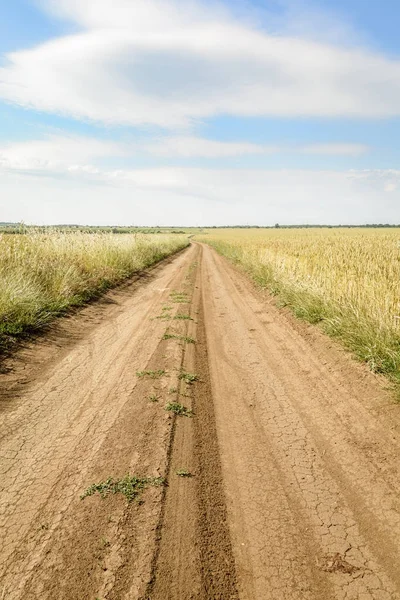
[
  {"x": 305, "y": 226},
  {"x": 22, "y": 228}
]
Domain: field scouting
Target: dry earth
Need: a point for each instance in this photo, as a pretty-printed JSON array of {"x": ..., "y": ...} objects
[{"x": 292, "y": 446}]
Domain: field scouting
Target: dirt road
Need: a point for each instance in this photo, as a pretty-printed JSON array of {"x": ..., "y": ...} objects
[{"x": 288, "y": 453}]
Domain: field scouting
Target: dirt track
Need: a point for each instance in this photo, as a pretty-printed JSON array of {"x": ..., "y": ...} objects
[{"x": 293, "y": 447}]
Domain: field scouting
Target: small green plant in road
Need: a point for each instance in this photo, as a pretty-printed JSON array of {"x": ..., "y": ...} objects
[
  {"x": 179, "y": 409},
  {"x": 188, "y": 378},
  {"x": 129, "y": 486},
  {"x": 183, "y": 338},
  {"x": 179, "y": 298},
  {"x": 184, "y": 473},
  {"x": 151, "y": 374},
  {"x": 173, "y": 390},
  {"x": 182, "y": 317},
  {"x": 166, "y": 308},
  {"x": 154, "y": 398}
]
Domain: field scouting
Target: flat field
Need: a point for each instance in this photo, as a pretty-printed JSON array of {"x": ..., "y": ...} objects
[{"x": 345, "y": 279}]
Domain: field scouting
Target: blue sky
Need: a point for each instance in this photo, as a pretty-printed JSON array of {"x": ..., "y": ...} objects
[{"x": 199, "y": 112}]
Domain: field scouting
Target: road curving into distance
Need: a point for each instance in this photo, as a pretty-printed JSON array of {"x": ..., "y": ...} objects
[{"x": 288, "y": 454}]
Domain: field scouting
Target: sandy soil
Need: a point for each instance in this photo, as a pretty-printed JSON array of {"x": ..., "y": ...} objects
[{"x": 293, "y": 450}]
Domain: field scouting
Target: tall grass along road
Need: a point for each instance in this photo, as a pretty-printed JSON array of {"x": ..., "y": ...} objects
[
  {"x": 234, "y": 454},
  {"x": 347, "y": 280},
  {"x": 42, "y": 274}
]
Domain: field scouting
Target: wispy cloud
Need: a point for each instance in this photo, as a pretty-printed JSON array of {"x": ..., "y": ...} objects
[
  {"x": 165, "y": 63},
  {"x": 55, "y": 153},
  {"x": 79, "y": 154},
  {"x": 192, "y": 147}
]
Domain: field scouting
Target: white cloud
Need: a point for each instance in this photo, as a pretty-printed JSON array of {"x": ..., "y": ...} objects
[
  {"x": 189, "y": 147},
  {"x": 61, "y": 152},
  {"x": 55, "y": 153},
  {"x": 336, "y": 149},
  {"x": 171, "y": 63}
]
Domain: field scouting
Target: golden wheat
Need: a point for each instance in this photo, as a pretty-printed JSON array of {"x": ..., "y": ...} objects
[
  {"x": 348, "y": 279},
  {"x": 41, "y": 274}
]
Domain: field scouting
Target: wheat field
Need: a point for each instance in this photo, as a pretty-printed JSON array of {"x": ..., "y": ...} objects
[
  {"x": 345, "y": 279},
  {"x": 42, "y": 274}
]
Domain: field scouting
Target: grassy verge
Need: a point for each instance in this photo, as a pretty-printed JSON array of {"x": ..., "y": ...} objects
[
  {"x": 44, "y": 274},
  {"x": 346, "y": 281}
]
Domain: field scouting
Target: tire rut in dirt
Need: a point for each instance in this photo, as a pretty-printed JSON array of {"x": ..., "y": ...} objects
[
  {"x": 194, "y": 559},
  {"x": 219, "y": 577}
]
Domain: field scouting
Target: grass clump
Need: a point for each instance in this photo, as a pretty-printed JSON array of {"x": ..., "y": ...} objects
[
  {"x": 151, "y": 374},
  {"x": 154, "y": 398},
  {"x": 179, "y": 409},
  {"x": 182, "y": 317},
  {"x": 188, "y": 378},
  {"x": 129, "y": 486},
  {"x": 183, "y": 338},
  {"x": 179, "y": 297},
  {"x": 184, "y": 473}
]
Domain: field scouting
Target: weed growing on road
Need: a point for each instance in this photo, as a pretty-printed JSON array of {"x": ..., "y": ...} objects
[
  {"x": 129, "y": 486},
  {"x": 179, "y": 409},
  {"x": 188, "y": 378},
  {"x": 173, "y": 390},
  {"x": 184, "y": 473},
  {"x": 151, "y": 374},
  {"x": 183, "y": 338},
  {"x": 154, "y": 398},
  {"x": 182, "y": 317},
  {"x": 179, "y": 297}
]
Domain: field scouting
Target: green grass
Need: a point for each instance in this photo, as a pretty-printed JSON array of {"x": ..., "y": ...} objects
[
  {"x": 178, "y": 409},
  {"x": 154, "y": 398},
  {"x": 188, "y": 378},
  {"x": 151, "y": 374},
  {"x": 175, "y": 336},
  {"x": 184, "y": 473},
  {"x": 179, "y": 297},
  {"x": 129, "y": 486},
  {"x": 182, "y": 317}
]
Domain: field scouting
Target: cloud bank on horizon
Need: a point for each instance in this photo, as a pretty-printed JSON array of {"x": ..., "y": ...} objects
[{"x": 198, "y": 112}]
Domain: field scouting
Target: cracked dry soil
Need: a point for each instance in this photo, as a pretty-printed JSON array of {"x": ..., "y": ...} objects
[{"x": 293, "y": 450}]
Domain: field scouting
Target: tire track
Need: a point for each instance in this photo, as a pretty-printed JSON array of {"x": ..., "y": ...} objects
[{"x": 195, "y": 559}]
